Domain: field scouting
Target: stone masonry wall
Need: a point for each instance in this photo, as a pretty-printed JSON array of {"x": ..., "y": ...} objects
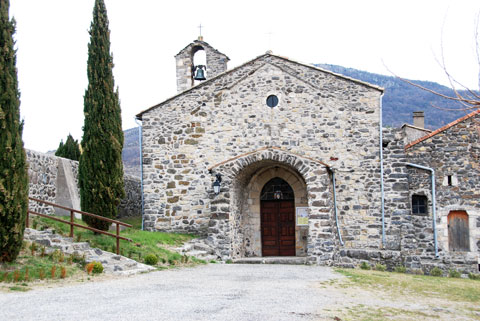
[
  {"x": 453, "y": 152},
  {"x": 43, "y": 174},
  {"x": 320, "y": 116}
]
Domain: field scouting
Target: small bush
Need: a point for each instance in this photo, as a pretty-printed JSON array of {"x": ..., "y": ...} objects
[
  {"x": 380, "y": 267},
  {"x": 78, "y": 238},
  {"x": 5, "y": 276},
  {"x": 63, "y": 272},
  {"x": 436, "y": 272},
  {"x": 26, "y": 276},
  {"x": 151, "y": 259},
  {"x": 213, "y": 261},
  {"x": 43, "y": 251},
  {"x": 89, "y": 268},
  {"x": 97, "y": 267},
  {"x": 16, "y": 276},
  {"x": 41, "y": 274},
  {"x": 229, "y": 261},
  {"x": 400, "y": 269},
  {"x": 453, "y": 273},
  {"x": 56, "y": 255},
  {"x": 33, "y": 248},
  {"x": 365, "y": 266},
  {"x": 52, "y": 271},
  {"x": 474, "y": 276}
]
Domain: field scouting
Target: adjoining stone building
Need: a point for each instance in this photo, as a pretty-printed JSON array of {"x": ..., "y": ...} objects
[{"x": 278, "y": 158}]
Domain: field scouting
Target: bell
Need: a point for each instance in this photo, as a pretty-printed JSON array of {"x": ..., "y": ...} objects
[{"x": 200, "y": 74}]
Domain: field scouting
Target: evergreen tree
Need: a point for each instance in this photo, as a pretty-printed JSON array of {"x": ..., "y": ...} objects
[
  {"x": 13, "y": 166},
  {"x": 101, "y": 168},
  {"x": 69, "y": 150}
]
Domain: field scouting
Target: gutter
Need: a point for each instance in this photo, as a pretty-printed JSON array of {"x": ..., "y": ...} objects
[
  {"x": 381, "y": 173},
  {"x": 140, "y": 133},
  {"x": 335, "y": 207},
  {"x": 432, "y": 176}
]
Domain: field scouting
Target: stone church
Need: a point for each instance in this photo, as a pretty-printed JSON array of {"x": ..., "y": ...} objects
[{"x": 280, "y": 158}]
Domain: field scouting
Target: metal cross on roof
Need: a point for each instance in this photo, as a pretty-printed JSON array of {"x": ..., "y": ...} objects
[{"x": 200, "y": 27}]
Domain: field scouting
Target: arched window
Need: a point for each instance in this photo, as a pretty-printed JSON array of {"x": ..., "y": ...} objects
[{"x": 277, "y": 189}]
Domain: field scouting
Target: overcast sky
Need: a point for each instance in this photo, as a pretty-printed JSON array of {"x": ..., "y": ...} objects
[{"x": 52, "y": 38}]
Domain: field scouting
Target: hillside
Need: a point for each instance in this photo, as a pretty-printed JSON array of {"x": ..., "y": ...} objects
[{"x": 401, "y": 99}]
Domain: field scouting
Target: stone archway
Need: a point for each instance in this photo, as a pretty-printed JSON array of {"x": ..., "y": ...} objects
[
  {"x": 234, "y": 226},
  {"x": 252, "y": 209}
]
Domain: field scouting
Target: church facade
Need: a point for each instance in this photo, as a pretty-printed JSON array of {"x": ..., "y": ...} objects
[{"x": 280, "y": 158}]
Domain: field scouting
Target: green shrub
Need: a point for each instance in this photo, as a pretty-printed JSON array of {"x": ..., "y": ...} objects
[
  {"x": 436, "y": 272},
  {"x": 474, "y": 276},
  {"x": 400, "y": 269},
  {"x": 380, "y": 267},
  {"x": 453, "y": 273},
  {"x": 229, "y": 261},
  {"x": 97, "y": 267},
  {"x": 151, "y": 259},
  {"x": 365, "y": 266}
]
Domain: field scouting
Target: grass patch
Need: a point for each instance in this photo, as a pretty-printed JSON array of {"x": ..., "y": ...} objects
[
  {"x": 135, "y": 221},
  {"x": 461, "y": 290},
  {"x": 363, "y": 312},
  {"x": 144, "y": 242}
]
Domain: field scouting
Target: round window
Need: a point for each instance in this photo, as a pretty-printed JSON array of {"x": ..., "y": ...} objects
[{"x": 272, "y": 101}]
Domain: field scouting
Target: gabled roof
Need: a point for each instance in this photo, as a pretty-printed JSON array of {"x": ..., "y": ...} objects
[
  {"x": 268, "y": 54},
  {"x": 441, "y": 129}
]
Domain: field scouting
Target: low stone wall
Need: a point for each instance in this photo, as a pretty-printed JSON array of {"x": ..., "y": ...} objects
[
  {"x": 42, "y": 173},
  {"x": 131, "y": 205},
  {"x": 55, "y": 179}
]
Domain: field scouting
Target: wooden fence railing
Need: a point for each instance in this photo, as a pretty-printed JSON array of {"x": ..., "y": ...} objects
[{"x": 73, "y": 224}]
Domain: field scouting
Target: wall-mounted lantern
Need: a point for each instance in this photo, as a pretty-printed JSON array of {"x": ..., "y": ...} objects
[{"x": 216, "y": 184}]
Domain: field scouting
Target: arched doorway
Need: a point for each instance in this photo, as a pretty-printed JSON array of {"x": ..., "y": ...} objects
[{"x": 277, "y": 213}]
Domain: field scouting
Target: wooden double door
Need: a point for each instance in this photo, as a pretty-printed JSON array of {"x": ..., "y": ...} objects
[{"x": 278, "y": 227}]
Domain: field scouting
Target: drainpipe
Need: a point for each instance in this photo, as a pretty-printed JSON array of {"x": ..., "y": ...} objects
[
  {"x": 335, "y": 207},
  {"x": 381, "y": 172},
  {"x": 141, "y": 161},
  {"x": 432, "y": 176}
]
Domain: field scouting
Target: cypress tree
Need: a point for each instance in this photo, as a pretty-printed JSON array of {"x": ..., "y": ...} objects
[
  {"x": 69, "y": 150},
  {"x": 101, "y": 168},
  {"x": 13, "y": 165}
]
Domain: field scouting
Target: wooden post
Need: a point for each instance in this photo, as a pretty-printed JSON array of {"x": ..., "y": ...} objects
[
  {"x": 118, "y": 240},
  {"x": 71, "y": 225}
]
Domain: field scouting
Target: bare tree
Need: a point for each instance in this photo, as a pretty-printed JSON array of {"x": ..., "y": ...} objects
[{"x": 467, "y": 98}]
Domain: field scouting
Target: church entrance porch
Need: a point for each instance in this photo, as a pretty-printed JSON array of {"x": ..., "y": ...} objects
[{"x": 272, "y": 204}]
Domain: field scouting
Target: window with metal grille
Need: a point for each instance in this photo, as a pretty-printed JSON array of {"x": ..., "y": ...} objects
[{"x": 419, "y": 205}]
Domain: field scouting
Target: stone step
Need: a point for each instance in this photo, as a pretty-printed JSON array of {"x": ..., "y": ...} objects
[
  {"x": 197, "y": 254},
  {"x": 294, "y": 260}
]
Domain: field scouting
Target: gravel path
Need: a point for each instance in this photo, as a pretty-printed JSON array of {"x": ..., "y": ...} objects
[{"x": 210, "y": 292}]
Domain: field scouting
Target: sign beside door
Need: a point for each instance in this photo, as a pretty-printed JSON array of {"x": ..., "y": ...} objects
[{"x": 302, "y": 216}]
